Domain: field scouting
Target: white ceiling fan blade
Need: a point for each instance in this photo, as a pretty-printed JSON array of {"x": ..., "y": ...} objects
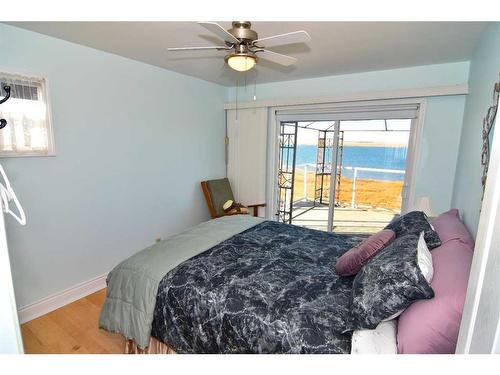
[
  {"x": 219, "y": 48},
  {"x": 288, "y": 38},
  {"x": 219, "y": 31},
  {"x": 277, "y": 58}
]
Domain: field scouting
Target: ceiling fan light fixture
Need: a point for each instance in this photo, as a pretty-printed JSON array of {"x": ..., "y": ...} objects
[
  {"x": 244, "y": 43},
  {"x": 241, "y": 62}
]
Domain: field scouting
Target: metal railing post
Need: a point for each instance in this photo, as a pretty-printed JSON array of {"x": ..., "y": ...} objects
[
  {"x": 353, "y": 199},
  {"x": 305, "y": 182}
]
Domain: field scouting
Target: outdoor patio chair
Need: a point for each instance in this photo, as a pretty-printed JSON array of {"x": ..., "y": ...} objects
[{"x": 218, "y": 192}]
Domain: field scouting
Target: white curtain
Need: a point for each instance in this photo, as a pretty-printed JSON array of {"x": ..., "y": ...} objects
[
  {"x": 246, "y": 165},
  {"x": 26, "y": 114}
]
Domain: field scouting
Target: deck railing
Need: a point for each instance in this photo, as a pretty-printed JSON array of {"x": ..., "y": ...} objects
[{"x": 311, "y": 167}]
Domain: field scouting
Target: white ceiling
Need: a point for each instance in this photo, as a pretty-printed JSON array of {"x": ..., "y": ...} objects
[{"x": 335, "y": 48}]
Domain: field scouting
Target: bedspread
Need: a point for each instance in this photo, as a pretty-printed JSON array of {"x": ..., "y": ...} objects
[{"x": 270, "y": 289}]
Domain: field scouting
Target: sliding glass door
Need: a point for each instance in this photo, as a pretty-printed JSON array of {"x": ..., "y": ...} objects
[
  {"x": 343, "y": 175},
  {"x": 371, "y": 171}
]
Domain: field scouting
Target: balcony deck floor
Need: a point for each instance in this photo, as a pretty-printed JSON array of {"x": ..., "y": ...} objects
[{"x": 346, "y": 219}]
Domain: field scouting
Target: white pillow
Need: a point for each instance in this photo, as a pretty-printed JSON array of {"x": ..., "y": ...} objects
[
  {"x": 424, "y": 259},
  {"x": 381, "y": 340}
]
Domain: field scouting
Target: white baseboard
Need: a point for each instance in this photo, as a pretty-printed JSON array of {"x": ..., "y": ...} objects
[{"x": 57, "y": 300}]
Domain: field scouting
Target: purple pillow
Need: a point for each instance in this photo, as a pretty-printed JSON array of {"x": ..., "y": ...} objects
[
  {"x": 449, "y": 227},
  {"x": 351, "y": 262},
  {"x": 431, "y": 326}
]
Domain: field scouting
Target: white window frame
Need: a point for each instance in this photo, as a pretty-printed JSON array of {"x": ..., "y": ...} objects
[
  {"x": 51, "y": 150},
  {"x": 413, "y": 156}
]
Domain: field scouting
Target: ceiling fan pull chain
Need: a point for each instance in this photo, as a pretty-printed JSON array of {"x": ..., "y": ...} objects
[
  {"x": 255, "y": 86},
  {"x": 237, "y": 86}
]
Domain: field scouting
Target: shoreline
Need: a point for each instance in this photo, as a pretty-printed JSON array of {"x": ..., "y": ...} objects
[
  {"x": 366, "y": 144},
  {"x": 370, "y": 144}
]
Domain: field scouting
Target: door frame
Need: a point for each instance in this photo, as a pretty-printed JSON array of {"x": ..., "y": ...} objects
[
  {"x": 480, "y": 325},
  {"x": 414, "y": 144}
]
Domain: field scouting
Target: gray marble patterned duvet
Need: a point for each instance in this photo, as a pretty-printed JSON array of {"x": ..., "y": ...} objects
[{"x": 270, "y": 289}]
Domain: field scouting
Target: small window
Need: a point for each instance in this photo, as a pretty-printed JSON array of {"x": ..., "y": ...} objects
[{"x": 28, "y": 131}]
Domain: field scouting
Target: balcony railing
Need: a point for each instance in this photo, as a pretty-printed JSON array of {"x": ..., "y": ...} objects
[{"x": 311, "y": 168}]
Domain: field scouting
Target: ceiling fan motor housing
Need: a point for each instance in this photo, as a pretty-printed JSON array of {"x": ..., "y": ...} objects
[
  {"x": 242, "y": 50},
  {"x": 242, "y": 31}
]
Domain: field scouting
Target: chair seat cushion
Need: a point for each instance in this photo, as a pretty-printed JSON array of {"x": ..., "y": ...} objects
[{"x": 220, "y": 192}]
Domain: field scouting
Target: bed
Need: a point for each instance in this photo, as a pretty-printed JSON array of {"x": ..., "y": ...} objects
[{"x": 238, "y": 284}]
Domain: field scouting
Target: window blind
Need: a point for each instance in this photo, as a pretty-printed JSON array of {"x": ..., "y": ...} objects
[{"x": 351, "y": 112}]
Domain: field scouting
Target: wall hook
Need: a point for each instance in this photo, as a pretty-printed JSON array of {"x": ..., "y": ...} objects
[{"x": 3, "y": 122}]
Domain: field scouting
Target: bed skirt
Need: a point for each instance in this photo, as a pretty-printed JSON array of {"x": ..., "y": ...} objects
[{"x": 155, "y": 347}]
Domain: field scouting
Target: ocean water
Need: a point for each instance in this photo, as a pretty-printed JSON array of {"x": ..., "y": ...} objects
[{"x": 361, "y": 156}]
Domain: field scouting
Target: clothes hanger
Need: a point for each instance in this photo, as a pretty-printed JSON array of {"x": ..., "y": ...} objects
[{"x": 7, "y": 194}]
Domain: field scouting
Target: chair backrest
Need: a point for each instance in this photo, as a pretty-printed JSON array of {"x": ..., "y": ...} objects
[{"x": 217, "y": 192}]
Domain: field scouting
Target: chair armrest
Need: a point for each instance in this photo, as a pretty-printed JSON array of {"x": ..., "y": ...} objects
[{"x": 256, "y": 208}]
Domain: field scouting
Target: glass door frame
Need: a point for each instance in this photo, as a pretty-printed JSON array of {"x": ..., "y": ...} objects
[
  {"x": 281, "y": 212},
  {"x": 333, "y": 177},
  {"x": 320, "y": 112},
  {"x": 286, "y": 178}
]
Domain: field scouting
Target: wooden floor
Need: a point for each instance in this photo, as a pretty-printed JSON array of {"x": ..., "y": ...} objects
[{"x": 72, "y": 329}]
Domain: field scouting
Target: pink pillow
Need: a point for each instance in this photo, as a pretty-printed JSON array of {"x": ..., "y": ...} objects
[
  {"x": 351, "y": 262},
  {"x": 431, "y": 326},
  {"x": 449, "y": 227}
]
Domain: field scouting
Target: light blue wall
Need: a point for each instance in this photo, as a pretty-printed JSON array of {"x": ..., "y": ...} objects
[
  {"x": 440, "y": 142},
  {"x": 484, "y": 72},
  {"x": 404, "y": 78},
  {"x": 443, "y": 115},
  {"x": 132, "y": 141}
]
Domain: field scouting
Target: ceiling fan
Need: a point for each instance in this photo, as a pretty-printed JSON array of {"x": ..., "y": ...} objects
[{"x": 245, "y": 46}]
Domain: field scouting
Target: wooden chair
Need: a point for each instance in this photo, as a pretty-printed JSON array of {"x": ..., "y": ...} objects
[{"x": 218, "y": 192}]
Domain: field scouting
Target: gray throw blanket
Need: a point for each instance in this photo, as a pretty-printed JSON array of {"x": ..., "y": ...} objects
[{"x": 132, "y": 286}]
